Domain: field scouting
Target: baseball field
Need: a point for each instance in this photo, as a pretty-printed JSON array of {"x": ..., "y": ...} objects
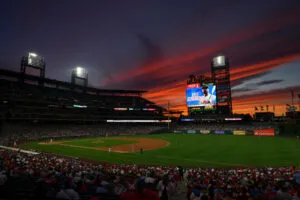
[{"x": 180, "y": 149}]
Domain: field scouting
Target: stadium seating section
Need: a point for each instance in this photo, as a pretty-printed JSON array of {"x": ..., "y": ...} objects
[
  {"x": 45, "y": 176},
  {"x": 28, "y": 101}
]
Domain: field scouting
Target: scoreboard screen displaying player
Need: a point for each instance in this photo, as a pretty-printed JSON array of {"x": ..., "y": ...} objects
[{"x": 201, "y": 95}]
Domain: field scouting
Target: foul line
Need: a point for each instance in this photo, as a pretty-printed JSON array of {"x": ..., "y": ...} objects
[{"x": 17, "y": 149}]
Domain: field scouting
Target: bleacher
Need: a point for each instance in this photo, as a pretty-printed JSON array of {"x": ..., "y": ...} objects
[
  {"x": 45, "y": 176},
  {"x": 55, "y": 100}
]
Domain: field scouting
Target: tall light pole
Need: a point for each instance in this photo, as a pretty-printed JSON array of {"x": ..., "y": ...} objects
[{"x": 168, "y": 115}]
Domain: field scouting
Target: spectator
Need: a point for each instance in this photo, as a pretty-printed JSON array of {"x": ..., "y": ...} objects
[
  {"x": 62, "y": 194},
  {"x": 141, "y": 193},
  {"x": 195, "y": 195},
  {"x": 3, "y": 178},
  {"x": 283, "y": 193},
  {"x": 64, "y": 177},
  {"x": 297, "y": 195},
  {"x": 165, "y": 188},
  {"x": 73, "y": 195}
]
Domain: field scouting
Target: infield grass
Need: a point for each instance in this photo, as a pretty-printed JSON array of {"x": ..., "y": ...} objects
[
  {"x": 97, "y": 142},
  {"x": 190, "y": 150}
]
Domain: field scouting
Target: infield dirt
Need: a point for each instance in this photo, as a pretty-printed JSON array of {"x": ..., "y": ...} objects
[{"x": 145, "y": 143}]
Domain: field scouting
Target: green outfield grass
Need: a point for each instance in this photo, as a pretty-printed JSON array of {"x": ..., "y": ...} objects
[{"x": 191, "y": 150}]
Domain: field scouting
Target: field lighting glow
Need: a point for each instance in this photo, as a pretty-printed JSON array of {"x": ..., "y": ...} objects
[
  {"x": 32, "y": 54},
  {"x": 219, "y": 61},
  {"x": 79, "y": 70},
  {"x": 34, "y": 59}
]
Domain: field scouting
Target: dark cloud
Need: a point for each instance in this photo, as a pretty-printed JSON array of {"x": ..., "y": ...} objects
[
  {"x": 254, "y": 86},
  {"x": 242, "y": 80},
  {"x": 242, "y": 90},
  {"x": 153, "y": 52},
  {"x": 269, "y": 82},
  {"x": 275, "y": 91}
]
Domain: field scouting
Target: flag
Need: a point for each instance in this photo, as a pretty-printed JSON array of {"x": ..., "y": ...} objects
[{"x": 288, "y": 105}]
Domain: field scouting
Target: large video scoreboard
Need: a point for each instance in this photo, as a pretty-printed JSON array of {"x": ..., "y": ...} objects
[{"x": 201, "y": 98}]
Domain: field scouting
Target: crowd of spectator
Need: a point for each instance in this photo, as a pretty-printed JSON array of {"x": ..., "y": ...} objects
[
  {"x": 222, "y": 126},
  {"x": 47, "y": 176}
]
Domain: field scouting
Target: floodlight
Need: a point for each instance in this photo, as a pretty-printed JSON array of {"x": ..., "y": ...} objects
[
  {"x": 34, "y": 60},
  {"x": 219, "y": 61},
  {"x": 32, "y": 54},
  {"x": 79, "y": 71}
]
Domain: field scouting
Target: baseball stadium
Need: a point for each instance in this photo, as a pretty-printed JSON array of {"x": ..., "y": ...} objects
[{"x": 52, "y": 129}]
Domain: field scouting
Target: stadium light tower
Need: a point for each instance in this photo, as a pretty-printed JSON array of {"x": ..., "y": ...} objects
[
  {"x": 33, "y": 60},
  {"x": 79, "y": 74},
  {"x": 221, "y": 77}
]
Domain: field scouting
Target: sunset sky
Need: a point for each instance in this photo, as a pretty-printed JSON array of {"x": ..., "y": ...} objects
[{"x": 155, "y": 45}]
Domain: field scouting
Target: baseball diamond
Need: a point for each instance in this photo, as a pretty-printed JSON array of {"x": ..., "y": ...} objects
[{"x": 180, "y": 149}]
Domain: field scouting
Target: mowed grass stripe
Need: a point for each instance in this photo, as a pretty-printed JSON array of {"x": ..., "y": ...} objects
[{"x": 196, "y": 150}]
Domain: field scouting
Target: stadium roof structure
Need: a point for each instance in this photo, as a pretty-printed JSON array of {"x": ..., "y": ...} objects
[{"x": 15, "y": 76}]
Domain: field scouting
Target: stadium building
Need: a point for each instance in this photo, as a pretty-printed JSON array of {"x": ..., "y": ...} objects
[
  {"x": 56, "y": 146},
  {"x": 35, "y": 98}
]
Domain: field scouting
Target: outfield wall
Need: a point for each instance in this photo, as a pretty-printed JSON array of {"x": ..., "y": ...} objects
[{"x": 270, "y": 132}]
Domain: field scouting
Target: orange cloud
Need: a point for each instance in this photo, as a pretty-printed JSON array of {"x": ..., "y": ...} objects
[{"x": 175, "y": 93}]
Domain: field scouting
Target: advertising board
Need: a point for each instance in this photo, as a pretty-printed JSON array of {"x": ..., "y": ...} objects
[
  {"x": 205, "y": 132},
  {"x": 265, "y": 132},
  {"x": 239, "y": 132},
  {"x": 219, "y": 132}
]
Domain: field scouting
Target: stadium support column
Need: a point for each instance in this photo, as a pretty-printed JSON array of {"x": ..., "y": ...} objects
[{"x": 221, "y": 77}]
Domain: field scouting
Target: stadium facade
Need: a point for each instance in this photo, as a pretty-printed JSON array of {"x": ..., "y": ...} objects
[{"x": 27, "y": 97}]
